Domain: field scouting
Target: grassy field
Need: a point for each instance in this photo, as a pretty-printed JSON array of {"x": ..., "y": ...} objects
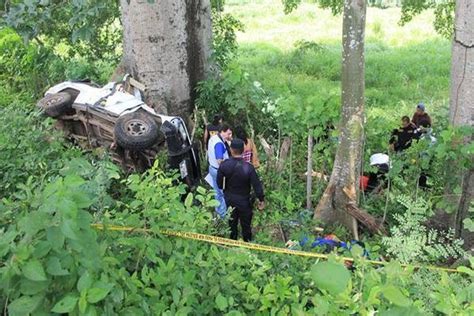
[
  {"x": 404, "y": 65},
  {"x": 266, "y": 22}
]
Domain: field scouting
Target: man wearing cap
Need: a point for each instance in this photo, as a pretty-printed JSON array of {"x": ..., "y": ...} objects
[
  {"x": 421, "y": 116},
  {"x": 216, "y": 153},
  {"x": 235, "y": 176}
]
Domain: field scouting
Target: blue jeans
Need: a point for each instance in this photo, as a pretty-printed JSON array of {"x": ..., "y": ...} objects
[{"x": 221, "y": 209}]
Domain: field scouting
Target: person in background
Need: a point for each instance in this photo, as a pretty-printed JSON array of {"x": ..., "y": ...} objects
[
  {"x": 236, "y": 177},
  {"x": 402, "y": 137},
  {"x": 250, "y": 153},
  {"x": 212, "y": 128},
  {"x": 217, "y": 152},
  {"x": 420, "y": 115}
]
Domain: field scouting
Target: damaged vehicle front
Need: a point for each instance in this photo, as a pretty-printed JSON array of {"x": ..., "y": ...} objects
[{"x": 116, "y": 117}]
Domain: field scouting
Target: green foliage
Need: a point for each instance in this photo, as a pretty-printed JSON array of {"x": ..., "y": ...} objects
[
  {"x": 443, "y": 10},
  {"x": 412, "y": 241},
  {"x": 218, "y": 5},
  {"x": 234, "y": 94},
  {"x": 27, "y": 69},
  {"x": 52, "y": 261},
  {"x": 89, "y": 28},
  {"x": 30, "y": 149},
  {"x": 50, "y": 245},
  {"x": 23, "y": 67},
  {"x": 444, "y": 13},
  {"x": 290, "y": 5},
  {"x": 224, "y": 28},
  {"x": 334, "y": 5},
  {"x": 330, "y": 276}
]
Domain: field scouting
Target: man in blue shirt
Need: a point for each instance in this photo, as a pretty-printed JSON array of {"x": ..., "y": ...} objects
[{"x": 217, "y": 152}]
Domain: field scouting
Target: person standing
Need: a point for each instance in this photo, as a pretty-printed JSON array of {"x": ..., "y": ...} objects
[
  {"x": 421, "y": 116},
  {"x": 250, "y": 153},
  {"x": 236, "y": 177},
  {"x": 217, "y": 152}
]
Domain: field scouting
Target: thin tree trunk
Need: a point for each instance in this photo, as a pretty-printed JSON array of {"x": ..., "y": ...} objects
[
  {"x": 166, "y": 46},
  {"x": 341, "y": 191},
  {"x": 309, "y": 173},
  {"x": 283, "y": 153},
  {"x": 462, "y": 107}
]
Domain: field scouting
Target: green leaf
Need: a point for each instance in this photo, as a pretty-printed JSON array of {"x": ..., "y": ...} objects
[
  {"x": 55, "y": 237},
  {"x": 28, "y": 287},
  {"x": 54, "y": 267},
  {"x": 66, "y": 305},
  {"x": 330, "y": 276},
  {"x": 83, "y": 303},
  {"x": 201, "y": 190},
  {"x": 466, "y": 270},
  {"x": 24, "y": 305},
  {"x": 41, "y": 249},
  {"x": 394, "y": 295},
  {"x": 67, "y": 228},
  {"x": 85, "y": 281},
  {"x": 189, "y": 200},
  {"x": 401, "y": 311},
  {"x": 34, "y": 271},
  {"x": 469, "y": 225},
  {"x": 221, "y": 302},
  {"x": 96, "y": 294},
  {"x": 151, "y": 292},
  {"x": 321, "y": 303}
]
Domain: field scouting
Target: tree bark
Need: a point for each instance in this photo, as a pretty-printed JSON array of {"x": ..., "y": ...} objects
[
  {"x": 462, "y": 106},
  {"x": 166, "y": 46},
  {"x": 309, "y": 171},
  {"x": 343, "y": 186}
]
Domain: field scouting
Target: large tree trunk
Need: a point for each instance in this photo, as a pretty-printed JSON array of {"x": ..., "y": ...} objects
[
  {"x": 341, "y": 192},
  {"x": 462, "y": 105},
  {"x": 166, "y": 46}
]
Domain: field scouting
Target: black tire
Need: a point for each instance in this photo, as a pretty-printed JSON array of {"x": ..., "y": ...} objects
[
  {"x": 56, "y": 104},
  {"x": 136, "y": 131}
]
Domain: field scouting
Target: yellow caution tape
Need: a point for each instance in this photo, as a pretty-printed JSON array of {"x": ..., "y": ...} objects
[{"x": 252, "y": 246}]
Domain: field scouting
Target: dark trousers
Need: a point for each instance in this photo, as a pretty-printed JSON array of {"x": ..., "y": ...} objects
[{"x": 244, "y": 216}]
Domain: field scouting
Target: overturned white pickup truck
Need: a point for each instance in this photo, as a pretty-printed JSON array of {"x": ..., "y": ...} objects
[{"x": 115, "y": 117}]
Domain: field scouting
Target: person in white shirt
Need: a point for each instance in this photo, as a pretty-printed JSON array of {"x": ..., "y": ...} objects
[{"x": 217, "y": 152}]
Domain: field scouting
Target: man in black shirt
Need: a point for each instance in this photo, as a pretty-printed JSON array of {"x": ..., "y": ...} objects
[
  {"x": 235, "y": 177},
  {"x": 402, "y": 137}
]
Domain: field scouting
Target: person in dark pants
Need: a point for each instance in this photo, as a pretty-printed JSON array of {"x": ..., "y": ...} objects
[{"x": 235, "y": 177}]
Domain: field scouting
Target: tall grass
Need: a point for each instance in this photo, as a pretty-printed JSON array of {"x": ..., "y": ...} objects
[{"x": 404, "y": 65}]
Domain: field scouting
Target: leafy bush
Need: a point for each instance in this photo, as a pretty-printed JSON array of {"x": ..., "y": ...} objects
[
  {"x": 224, "y": 28},
  {"x": 27, "y": 69},
  {"x": 53, "y": 261},
  {"x": 412, "y": 241},
  {"x": 86, "y": 28}
]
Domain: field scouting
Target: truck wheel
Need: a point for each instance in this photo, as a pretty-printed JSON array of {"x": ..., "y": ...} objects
[
  {"x": 56, "y": 104},
  {"x": 136, "y": 131}
]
